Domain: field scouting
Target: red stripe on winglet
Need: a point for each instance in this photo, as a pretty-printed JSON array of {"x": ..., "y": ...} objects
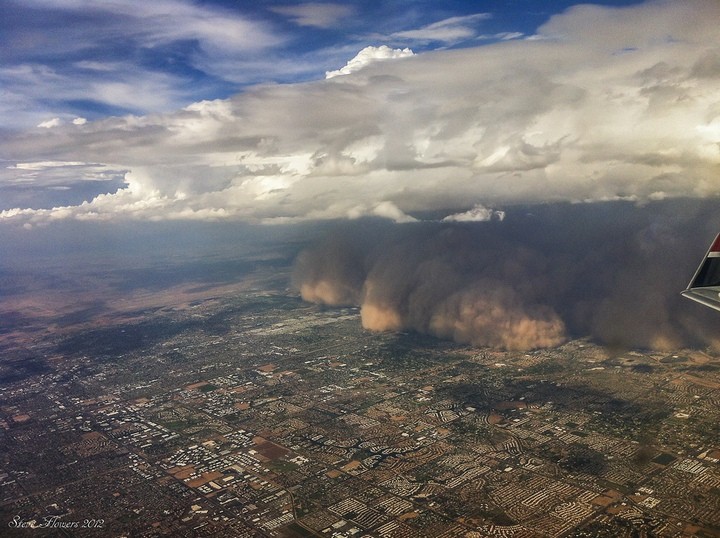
[{"x": 716, "y": 245}]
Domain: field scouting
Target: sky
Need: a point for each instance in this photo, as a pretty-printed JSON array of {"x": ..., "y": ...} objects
[
  {"x": 540, "y": 170},
  {"x": 282, "y": 112}
]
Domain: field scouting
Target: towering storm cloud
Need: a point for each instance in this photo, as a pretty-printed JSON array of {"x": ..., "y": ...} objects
[
  {"x": 601, "y": 103},
  {"x": 610, "y": 271}
]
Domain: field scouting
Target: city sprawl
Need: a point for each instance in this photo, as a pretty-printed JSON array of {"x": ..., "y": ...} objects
[{"x": 261, "y": 415}]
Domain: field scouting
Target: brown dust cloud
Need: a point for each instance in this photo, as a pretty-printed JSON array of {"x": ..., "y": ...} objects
[{"x": 544, "y": 274}]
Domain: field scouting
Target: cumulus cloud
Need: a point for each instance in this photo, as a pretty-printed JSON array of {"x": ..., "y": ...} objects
[
  {"x": 388, "y": 210},
  {"x": 478, "y": 213},
  {"x": 367, "y": 56},
  {"x": 610, "y": 271},
  {"x": 610, "y": 104},
  {"x": 48, "y": 184}
]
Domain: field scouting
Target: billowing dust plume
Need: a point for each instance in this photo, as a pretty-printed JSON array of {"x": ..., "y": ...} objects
[{"x": 611, "y": 271}]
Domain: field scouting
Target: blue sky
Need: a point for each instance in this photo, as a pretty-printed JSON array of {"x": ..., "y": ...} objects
[
  {"x": 273, "y": 111},
  {"x": 89, "y": 59}
]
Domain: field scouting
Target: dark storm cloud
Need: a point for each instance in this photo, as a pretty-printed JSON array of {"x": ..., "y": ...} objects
[{"x": 611, "y": 271}]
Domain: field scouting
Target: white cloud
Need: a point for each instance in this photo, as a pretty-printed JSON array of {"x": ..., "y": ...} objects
[
  {"x": 123, "y": 86},
  {"x": 503, "y": 36},
  {"x": 389, "y": 210},
  {"x": 367, "y": 56},
  {"x": 451, "y": 30},
  {"x": 649, "y": 25},
  {"x": 101, "y": 43},
  {"x": 559, "y": 118},
  {"x": 162, "y": 21},
  {"x": 49, "y": 124},
  {"x": 42, "y": 165},
  {"x": 314, "y": 14},
  {"x": 79, "y": 121},
  {"x": 478, "y": 213}
]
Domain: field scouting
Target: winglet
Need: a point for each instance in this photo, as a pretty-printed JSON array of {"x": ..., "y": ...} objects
[
  {"x": 705, "y": 284},
  {"x": 715, "y": 247}
]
